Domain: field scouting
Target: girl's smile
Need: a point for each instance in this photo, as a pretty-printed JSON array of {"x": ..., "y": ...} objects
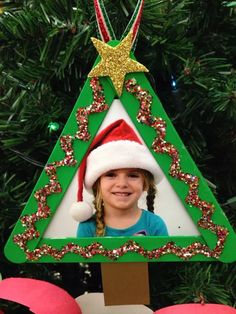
[
  {"x": 121, "y": 189},
  {"x": 121, "y": 193}
]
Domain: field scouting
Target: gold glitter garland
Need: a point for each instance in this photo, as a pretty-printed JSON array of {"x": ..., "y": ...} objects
[{"x": 160, "y": 146}]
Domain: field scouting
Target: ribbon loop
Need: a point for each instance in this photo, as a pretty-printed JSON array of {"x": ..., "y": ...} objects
[
  {"x": 104, "y": 25},
  {"x": 134, "y": 22}
]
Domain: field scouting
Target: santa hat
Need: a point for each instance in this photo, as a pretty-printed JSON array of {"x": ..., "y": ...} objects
[{"x": 115, "y": 147}]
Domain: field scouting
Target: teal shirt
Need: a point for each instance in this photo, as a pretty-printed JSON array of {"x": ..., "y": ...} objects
[{"x": 148, "y": 224}]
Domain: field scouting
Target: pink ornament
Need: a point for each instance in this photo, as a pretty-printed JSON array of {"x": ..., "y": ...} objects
[
  {"x": 197, "y": 309},
  {"x": 39, "y": 296}
]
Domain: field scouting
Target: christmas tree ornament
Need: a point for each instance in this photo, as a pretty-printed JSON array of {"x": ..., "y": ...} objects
[
  {"x": 116, "y": 72},
  {"x": 197, "y": 309},
  {"x": 39, "y": 296},
  {"x": 187, "y": 71},
  {"x": 53, "y": 126}
]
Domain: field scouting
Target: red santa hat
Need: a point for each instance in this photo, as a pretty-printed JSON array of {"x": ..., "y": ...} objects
[{"x": 115, "y": 147}]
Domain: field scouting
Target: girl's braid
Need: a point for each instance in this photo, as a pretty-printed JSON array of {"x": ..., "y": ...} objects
[
  {"x": 151, "y": 193},
  {"x": 151, "y": 190},
  {"x": 99, "y": 215}
]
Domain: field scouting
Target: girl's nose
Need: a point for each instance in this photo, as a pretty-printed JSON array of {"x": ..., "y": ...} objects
[{"x": 121, "y": 181}]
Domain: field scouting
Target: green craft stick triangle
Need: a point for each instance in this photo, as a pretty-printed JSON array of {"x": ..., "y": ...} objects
[{"x": 41, "y": 249}]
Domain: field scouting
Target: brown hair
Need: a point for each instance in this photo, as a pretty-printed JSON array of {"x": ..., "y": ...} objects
[
  {"x": 99, "y": 215},
  {"x": 149, "y": 186}
]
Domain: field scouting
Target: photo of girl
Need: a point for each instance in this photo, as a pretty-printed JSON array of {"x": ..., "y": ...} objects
[{"x": 117, "y": 169}]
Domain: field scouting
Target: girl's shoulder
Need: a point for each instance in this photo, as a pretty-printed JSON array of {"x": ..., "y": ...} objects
[
  {"x": 150, "y": 215},
  {"x": 155, "y": 223},
  {"x": 87, "y": 228}
]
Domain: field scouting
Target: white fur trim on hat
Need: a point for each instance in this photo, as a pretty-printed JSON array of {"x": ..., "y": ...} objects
[
  {"x": 81, "y": 211},
  {"x": 117, "y": 155}
]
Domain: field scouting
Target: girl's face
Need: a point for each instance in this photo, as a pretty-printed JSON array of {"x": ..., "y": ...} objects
[{"x": 121, "y": 189}]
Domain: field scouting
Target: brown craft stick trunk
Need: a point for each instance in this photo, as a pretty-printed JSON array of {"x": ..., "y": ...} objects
[{"x": 125, "y": 283}]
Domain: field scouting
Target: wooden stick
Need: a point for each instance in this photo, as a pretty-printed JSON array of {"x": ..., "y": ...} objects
[{"x": 125, "y": 283}]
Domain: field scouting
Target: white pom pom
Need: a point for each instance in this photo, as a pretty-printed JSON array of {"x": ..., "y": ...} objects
[{"x": 81, "y": 211}]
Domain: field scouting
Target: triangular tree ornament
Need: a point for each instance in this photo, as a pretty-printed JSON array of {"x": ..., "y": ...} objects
[{"x": 27, "y": 242}]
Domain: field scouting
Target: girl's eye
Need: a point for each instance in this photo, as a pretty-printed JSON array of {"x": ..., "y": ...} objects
[
  {"x": 134, "y": 175},
  {"x": 109, "y": 174}
]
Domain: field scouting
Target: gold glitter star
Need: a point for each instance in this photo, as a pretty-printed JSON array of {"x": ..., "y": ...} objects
[{"x": 116, "y": 62}]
